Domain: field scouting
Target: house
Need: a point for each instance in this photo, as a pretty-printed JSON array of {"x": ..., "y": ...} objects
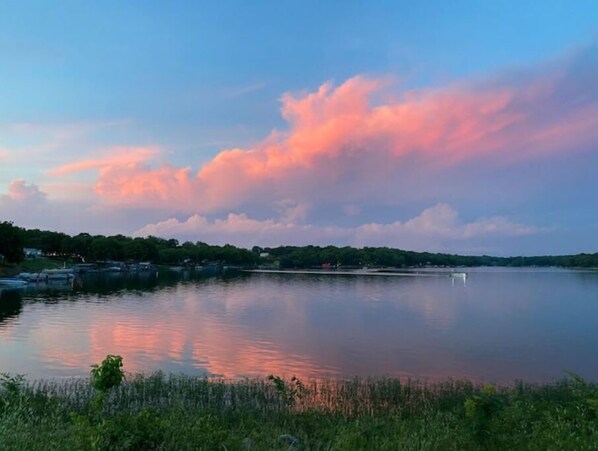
[{"x": 32, "y": 253}]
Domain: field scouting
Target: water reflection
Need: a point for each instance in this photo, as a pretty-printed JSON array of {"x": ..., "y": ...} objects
[
  {"x": 499, "y": 326},
  {"x": 11, "y": 304}
]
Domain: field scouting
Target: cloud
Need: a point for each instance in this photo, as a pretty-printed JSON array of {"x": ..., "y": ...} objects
[
  {"x": 27, "y": 205},
  {"x": 40, "y": 138},
  {"x": 21, "y": 192},
  {"x": 138, "y": 185},
  {"x": 127, "y": 157},
  {"x": 431, "y": 230},
  {"x": 442, "y": 221},
  {"x": 28, "y": 150},
  {"x": 239, "y": 91},
  {"x": 22, "y": 202},
  {"x": 352, "y": 158},
  {"x": 367, "y": 142}
]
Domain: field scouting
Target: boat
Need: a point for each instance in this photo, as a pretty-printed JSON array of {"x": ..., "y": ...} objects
[
  {"x": 112, "y": 269},
  {"x": 13, "y": 283},
  {"x": 459, "y": 275},
  {"x": 231, "y": 269},
  {"x": 57, "y": 274},
  {"x": 30, "y": 276}
]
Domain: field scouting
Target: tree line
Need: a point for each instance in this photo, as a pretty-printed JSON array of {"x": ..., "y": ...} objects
[
  {"x": 86, "y": 247},
  {"x": 311, "y": 256}
]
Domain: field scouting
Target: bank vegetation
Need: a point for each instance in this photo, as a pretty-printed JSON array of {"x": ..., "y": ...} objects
[
  {"x": 86, "y": 248},
  {"x": 110, "y": 411}
]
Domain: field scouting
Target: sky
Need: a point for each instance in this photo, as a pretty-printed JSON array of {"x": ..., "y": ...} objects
[{"x": 465, "y": 127}]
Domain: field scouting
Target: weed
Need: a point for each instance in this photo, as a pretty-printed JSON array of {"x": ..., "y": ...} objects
[
  {"x": 290, "y": 391},
  {"x": 480, "y": 409}
]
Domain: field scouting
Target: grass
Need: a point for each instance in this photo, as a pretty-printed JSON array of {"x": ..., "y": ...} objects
[
  {"x": 181, "y": 412},
  {"x": 39, "y": 264}
]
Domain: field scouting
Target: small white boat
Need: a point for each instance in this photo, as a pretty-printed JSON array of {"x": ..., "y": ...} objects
[{"x": 459, "y": 275}]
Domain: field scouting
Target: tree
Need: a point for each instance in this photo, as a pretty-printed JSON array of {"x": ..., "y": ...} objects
[
  {"x": 106, "y": 248},
  {"x": 11, "y": 242}
]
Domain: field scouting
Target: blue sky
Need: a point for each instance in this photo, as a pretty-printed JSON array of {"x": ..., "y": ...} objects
[{"x": 142, "y": 90}]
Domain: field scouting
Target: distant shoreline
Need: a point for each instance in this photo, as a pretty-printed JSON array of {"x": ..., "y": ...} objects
[{"x": 84, "y": 248}]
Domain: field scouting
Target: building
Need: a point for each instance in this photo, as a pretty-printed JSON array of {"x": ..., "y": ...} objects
[{"x": 32, "y": 253}]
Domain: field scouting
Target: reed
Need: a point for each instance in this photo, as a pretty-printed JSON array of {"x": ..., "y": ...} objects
[{"x": 167, "y": 411}]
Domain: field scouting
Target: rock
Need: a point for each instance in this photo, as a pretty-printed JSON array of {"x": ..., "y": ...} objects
[{"x": 291, "y": 440}]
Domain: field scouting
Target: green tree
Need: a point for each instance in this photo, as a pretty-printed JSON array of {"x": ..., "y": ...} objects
[
  {"x": 137, "y": 249},
  {"x": 11, "y": 242},
  {"x": 107, "y": 374},
  {"x": 106, "y": 248}
]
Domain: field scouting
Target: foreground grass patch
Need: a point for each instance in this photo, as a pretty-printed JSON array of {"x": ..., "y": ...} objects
[{"x": 182, "y": 412}]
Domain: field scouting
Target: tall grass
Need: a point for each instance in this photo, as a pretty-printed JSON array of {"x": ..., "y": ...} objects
[
  {"x": 161, "y": 411},
  {"x": 346, "y": 397}
]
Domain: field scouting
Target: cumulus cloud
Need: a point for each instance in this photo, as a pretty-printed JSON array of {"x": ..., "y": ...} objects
[
  {"x": 22, "y": 203},
  {"x": 19, "y": 191},
  {"x": 353, "y": 156},
  {"x": 430, "y": 230},
  {"x": 366, "y": 141}
]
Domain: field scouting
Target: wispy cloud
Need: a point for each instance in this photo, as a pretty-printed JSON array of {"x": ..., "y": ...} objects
[
  {"x": 238, "y": 91},
  {"x": 47, "y": 137},
  {"x": 128, "y": 157},
  {"x": 28, "y": 150}
]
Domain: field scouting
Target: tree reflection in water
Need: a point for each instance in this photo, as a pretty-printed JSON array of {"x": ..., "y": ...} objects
[{"x": 11, "y": 304}]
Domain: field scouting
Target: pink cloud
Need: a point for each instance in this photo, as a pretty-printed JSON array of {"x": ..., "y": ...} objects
[
  {"x": 31, "y": 206},
  {"x": 137, "y": 184},
  {"x": 47, "y": 140},
  {"x": 21, "y": 192},
  {"x": 356, "y": 142},
  {"x": 116, "y": 157}
]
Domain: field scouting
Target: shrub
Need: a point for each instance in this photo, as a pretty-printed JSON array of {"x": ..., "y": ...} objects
[{"x": 107, "y": 374}]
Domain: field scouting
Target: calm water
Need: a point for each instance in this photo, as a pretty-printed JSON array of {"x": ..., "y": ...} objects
[{"x": 500, "y": 325}]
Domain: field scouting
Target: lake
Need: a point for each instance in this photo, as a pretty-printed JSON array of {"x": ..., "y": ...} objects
[{"x": 497, "y": 326}]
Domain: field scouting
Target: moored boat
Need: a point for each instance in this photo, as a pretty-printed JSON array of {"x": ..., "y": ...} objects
[
  {"x": 30, "y": 276},
  {"x": 12, "y": 282},
  {"x": 57, "y": 274}
]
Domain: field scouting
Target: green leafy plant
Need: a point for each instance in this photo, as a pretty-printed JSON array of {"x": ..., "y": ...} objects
[{"x": 107, "y": 374}]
